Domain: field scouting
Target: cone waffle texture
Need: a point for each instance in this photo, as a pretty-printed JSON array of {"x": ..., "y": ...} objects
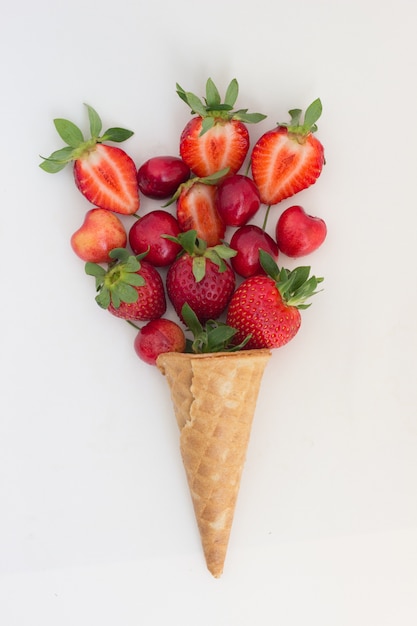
[{"x": 214, "y": 398}]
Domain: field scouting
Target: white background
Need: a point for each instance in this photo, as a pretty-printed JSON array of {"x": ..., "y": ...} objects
[{"x": 96, "y": 525}]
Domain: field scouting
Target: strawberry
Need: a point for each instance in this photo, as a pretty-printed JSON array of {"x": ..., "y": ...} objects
[
  {"x": 105, "y": 175},
  {"x": 217, "y": 137},
  {"x": 288, "y": 158},
  {"x": 201, "y": 278},
  {"x": 268, "y": 306},
  {"x": 130, "y": 288},
  {"x": 197, "y": 210}
]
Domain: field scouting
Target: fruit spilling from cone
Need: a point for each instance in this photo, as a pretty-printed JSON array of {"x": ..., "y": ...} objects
[{"x": 231, "y": 302}]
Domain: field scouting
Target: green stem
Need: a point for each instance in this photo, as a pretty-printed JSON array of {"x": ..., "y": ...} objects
[
  {"x": 266, "y": 217},
  {"x": 132, "y": 324}
]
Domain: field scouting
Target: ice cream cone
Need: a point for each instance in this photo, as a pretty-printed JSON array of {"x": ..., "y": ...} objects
[{"x": 214, "y": 398}]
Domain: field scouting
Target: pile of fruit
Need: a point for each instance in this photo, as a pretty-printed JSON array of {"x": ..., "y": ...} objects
[{"x": 199, "y": 250}]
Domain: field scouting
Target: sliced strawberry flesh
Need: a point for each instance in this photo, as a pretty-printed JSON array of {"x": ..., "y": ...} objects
[
  {"x": 224, "y": 145},
  {"x": 106, "y": 176},
  {"x": 196, "y": 210},
  {"x": 282, "y": 166}
]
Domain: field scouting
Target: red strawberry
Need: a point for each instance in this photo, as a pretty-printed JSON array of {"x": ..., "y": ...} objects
[
  {"x": 197, "y": 210},
  {"x": 288, "y": 158},
  {"x": 217, "y": 138},
  {"x": 267, "y": 307},
  {"x": 201, "y": 278},
  {"x": 104, "y": 174},
  {"x": 130, "y": 288}
]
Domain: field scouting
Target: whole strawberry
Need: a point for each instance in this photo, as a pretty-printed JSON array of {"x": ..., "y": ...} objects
[
  {"x": 217, "y": 137},
  {"x": 130, "y": 288},
  {"x": 268, "y": 307},
  {"x": 288, "y": 158},
  {"x": 201, "y": 278},
  {"x": 105, "y": 175}
]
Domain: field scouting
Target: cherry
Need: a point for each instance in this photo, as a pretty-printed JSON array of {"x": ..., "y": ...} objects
[
  {"x": 156, "y": 337},
  {"x": 147, "y": 232},
  {"x": 247, "y": 241},
  {"x": 160, "y": 176},
  {"x": 100, "y": 232},
  {"x": 298, "y": 233},
  {"x": 237, "y": 200}
]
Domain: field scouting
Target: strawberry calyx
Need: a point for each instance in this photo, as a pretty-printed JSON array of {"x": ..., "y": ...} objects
[
  {"x": 77, "y": 146},
  {"x": 298, "y": 129},
  {"x": 295, "y": 286},
  {"x": 117, "y": 283},
  {"x": 213, "y": 336},
  {"x": 212, "y": 179},
  {"x": 211, "y": 109},
  {"x": 198, "y": 250}
]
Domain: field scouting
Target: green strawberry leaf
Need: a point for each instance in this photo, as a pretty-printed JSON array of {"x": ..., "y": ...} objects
[
  {"x": 120, "y": 254},
  {"x": 191, "y": 320},
  {"x": 295, "y": 286},
  {"x": 57, "y": 160},
  {"x": 69, "y": 132},
  {"x": 199, "y": 268},
  {"x": 213, "y": 179},
  {"x": 214, "y": 336},
  {"x": 248, "y": 118},
  {"x": 94, "y": 269},
  {"x": 213, "y": 98},
  {"x": 214, "y": 108},
  {"x": 77, "y": 146},
  {"x": 312, "y": 114},
  {"x": 131, "y": 265},
  {"x": 116, "y": 134},
  {"x": 220, "y": 336},
  {"x": 124, "y": 292},
  {"x": 195, "y": 104},
  {"x": 136, "y": 280},
  {"x": 120, "y": 282},
  {"x": 232, "y": 93},
  {"x": 103, "y": 298},
  {"x": 206, "y": 124},
  {"x": 95, "y": 122},
  {"x": 268, "y": 264},
  {"x": 295, "y": 115}
]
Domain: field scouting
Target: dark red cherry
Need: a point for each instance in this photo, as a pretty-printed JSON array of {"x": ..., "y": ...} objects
[
  {"x": 160, "y": 176},
  {"x": 247, "y": 241},
  {"x": 237, "y": 200},
  {"x": 147, "y": 232}
]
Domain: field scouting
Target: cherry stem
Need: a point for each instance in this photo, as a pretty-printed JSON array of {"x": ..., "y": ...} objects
[
  {"x": 266, "y": 217},
  {"x": 132, "y": 324}
]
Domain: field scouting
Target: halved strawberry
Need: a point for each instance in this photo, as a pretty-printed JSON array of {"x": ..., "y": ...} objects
[
  {"x": 288, "y": 158},
  {"x": 217, "y": 138},
  {"x": 105, "y": 175},
  {"x": 197, "y": 210}
]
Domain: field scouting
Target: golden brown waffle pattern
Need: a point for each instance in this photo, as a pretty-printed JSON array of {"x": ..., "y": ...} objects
[{"x": 214, "y": 399}]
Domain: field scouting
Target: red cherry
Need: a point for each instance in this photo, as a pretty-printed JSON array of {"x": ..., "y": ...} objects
[
  {"x": 237, "y": 200},
  {"x": 156, "y": 337},
  {"x": 160, "y": 176},
  {"x": 298, "y": 233},
  {"x": 147, "y": 232},
  {"x": 247, "y": 241},
  {"x": 100, "y": 232}
]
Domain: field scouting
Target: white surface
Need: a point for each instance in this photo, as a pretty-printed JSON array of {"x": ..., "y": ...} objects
[{"x": 96, "y": 525}]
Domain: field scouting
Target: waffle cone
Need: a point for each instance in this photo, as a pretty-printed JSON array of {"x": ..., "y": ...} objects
[{"x": 214, "y": 398}]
